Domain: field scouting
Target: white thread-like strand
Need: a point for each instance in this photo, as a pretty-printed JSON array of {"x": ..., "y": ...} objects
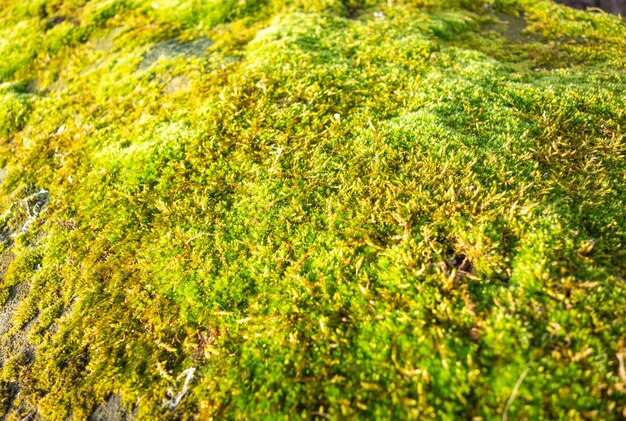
[{"x": 189, "y": 373}]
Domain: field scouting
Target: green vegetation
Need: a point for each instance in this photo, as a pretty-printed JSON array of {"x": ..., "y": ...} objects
[{"x": 343, "y": 209}]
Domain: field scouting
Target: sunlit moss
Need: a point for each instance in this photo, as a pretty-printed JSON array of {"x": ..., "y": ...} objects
[
  {"x": 14, "y": 108},
  {"x": 344, "y": 209},
  {"x": 13, "y": 366}
]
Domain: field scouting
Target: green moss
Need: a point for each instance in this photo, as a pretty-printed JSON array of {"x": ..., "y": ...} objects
[
  {"x": 12, "y": 367},
  {"x": 18, "y": 46},
  {"x": 5, "y": 398},
  {"x": 344, "y": 209},
  {"x": 5, "y": 293},
  {"x": 14, "y": 110},
  {"x": 22, "y": 268}
]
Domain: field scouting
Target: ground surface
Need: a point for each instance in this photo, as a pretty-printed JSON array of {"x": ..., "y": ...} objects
[{"x": 311, "y": 209}]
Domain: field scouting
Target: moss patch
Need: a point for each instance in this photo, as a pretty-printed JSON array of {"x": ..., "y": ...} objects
[{"x": 353, "y": 209}]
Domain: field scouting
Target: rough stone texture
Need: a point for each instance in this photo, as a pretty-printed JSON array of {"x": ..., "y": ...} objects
[
  {"x": 617, "y": 7},
  {"x": 177, "y": 83},
  {"x": 112, "y": 410},
  {"x": 18, "y": 343},
  {"x": 175, "y": 48}
]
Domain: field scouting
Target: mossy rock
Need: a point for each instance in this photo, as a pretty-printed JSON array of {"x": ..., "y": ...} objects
[{"x": 406, "y": 209}]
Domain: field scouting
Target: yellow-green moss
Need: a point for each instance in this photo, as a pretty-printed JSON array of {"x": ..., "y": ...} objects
[
  {"x": 12, "y": 367},
  {"x": 13, "y": 112},
  {"x": 344, "y": 209}
]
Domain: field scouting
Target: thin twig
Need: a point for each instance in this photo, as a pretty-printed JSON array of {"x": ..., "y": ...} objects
[{"x": 505, "y": 415}]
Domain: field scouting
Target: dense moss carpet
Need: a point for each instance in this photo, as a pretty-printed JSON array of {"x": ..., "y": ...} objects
[{"x": 285, "y": 209}]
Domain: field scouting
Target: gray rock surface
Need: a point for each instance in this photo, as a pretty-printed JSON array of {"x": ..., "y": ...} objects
[
  {"x": 617, "y": 7},
  {"x": 175, "y": 48},
  {"x": 112, "y": 410}
]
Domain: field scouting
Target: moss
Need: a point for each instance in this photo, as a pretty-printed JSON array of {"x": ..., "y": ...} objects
[
  {"x": 22, "y": 268},
  {"x": 5, "y": 293},
  {"x": 18, "y": 47},
  {"x": 5, "y": 398},
  {"x": 12, "y": 367},
  {"x": 14, "y": 110},
  {"x": 344, "y": 209}
]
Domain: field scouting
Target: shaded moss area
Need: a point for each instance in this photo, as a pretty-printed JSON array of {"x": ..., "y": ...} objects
[{"x": 311, "y": 209}]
